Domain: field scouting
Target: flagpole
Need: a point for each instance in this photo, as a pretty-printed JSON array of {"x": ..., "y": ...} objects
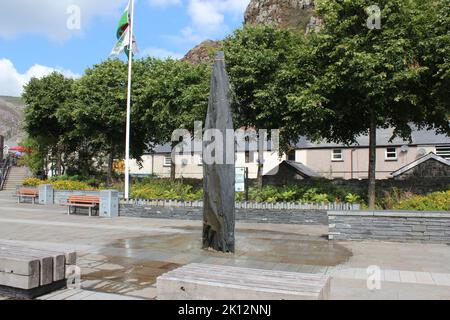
[{"x": 130, "y": 68}]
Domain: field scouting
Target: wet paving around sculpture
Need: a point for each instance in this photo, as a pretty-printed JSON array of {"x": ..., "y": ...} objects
[
  {"x": 256, "y": 249},
  {"x": 124, "y": 256}
]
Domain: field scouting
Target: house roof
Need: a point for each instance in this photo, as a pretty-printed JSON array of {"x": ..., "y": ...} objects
[
  {"x": 418, "y": 137},
  {"x": 416, "y": 162},
  {"x": 196, "y": 147},
  {"x": 297, "y": 166}
]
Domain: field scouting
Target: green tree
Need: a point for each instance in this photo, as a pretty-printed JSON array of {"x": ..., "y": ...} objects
[
  {"x": 99, "y": 114},
  {"x": 366, "y": 78},
  {"x": 36, "y": 158},
  {"x": 43, "y": 99},
  {"x": 258, "y": 62},
  {"x": 431, "y": 25},
  {"x": 174, "y": 97}
]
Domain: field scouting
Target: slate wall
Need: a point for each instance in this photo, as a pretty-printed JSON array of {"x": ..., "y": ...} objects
[
  {"x": 308, "y": 217},
  {"x": 397, "y": 226}
]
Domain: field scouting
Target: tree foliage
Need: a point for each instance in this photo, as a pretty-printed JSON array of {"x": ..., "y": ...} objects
[
  {"x": 174, "y": 97},
  {"x": 367, "y": 78},
  {"x": 84, "y": 120},
  {"x": 341, "y": 82}
]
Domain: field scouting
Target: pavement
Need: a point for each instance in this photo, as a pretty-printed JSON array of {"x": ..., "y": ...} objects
[{"x": 121, "y": 258}]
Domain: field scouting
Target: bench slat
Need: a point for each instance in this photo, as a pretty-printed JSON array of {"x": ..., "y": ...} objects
[
  {"x": 200, "y": 281},
  {"x": 46, "y": 262},
  {"x": 19, "y": 265},
  {"x": 75, "y": 200},
  {"x": 28, "y": 192}
]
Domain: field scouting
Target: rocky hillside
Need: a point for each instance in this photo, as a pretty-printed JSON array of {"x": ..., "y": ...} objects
[
  {"x": 11, "y": 115},
  {"x": 298, "y": 14},
  {"x": 203, "y": 53}
]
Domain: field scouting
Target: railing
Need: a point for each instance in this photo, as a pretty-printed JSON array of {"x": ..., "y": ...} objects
[
  {"x": 6, "y": 164},
  {"x": 247, "y": 205}
]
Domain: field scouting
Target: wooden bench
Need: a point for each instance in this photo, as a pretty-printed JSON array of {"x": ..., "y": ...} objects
[
  {"x": 90, "y": 202},
  {"x": 30, "y": 272},
  {"x": 27, "y": 193},
  {"x": 212, "y": 282}
]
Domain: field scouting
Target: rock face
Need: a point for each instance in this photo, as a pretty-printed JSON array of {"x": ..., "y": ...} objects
[
  {"x": 203, "y": 53},
  {"x": 11, "y": 115},
  {"x": 298, "y": 14}
]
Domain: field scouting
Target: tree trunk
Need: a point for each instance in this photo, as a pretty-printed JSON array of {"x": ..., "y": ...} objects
[
  {"x": 63, "y": 166},
  {"x": 110, "y": 165},
  {"x": 372, "y": 160},
  {"x": 172, "y": 163},
  {"x": 260, "y": 161},
  {"x": 58, "y": 162}
]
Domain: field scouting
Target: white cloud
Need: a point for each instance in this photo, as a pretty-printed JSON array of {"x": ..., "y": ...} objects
[
  {"x": 161, "y": 53},
  {"x": 163, "y": 3},
  {"x": 208, "y": 19},
  {"x": 50, "y": 17},
  {"x": 12, "y": 82},
  {"x": 205, "y": 14}
]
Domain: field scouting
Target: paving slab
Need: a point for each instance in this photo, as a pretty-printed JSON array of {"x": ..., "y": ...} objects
[{"x": 125, "y": 255}]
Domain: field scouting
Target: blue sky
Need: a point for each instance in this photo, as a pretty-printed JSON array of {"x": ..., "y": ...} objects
[{"x": 35, "y": 38}]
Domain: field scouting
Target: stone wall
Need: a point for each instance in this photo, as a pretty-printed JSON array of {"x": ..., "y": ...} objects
[
  {"x": 309, "y": 217},
  {"x": 398, "y": 226},
  {"x": 61, "y": 196},
  {"x": 429, "y": 169},
  {"x": 415, "y": 185}
]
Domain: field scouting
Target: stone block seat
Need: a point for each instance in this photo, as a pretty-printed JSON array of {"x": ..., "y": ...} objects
[
  {"x": 214, "y": 282},
  {"x": 30, "y": 272}
]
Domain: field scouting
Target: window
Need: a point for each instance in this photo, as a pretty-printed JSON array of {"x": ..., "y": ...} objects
[
  {"x": 291, "y": 155},
  {"x": 167, "y": 160},
  {"x": 250, "y": 157},
  {"x": 336, "y": 155},
  {"x": 391, "y": 154},
  {"x": 443, "y": 151}
]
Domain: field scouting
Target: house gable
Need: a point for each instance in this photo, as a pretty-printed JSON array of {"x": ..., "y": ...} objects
[{"x": 428, "y": 166}]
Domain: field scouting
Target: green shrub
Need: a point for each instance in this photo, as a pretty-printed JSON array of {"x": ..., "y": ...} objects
[
  {"x": 59, "y": 184},
  {"x": 71, "y": 185},
  {"x": 436, "y": 201},
  {"x": 389, "y": 198},
  {"x": 32, "y": 182},
  {"x": 151, "y": 188},
  {"x": 319, "y": 192},
  {"x": 352, "y": 198}
]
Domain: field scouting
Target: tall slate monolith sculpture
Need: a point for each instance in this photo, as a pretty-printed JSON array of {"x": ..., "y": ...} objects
[{"x": 219, "y": 176}]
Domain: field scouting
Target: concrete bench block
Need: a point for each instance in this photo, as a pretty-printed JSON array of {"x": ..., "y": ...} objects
[
  {"x": 19, "y": 281},
  {"x": 29, "y": 272},
  {"x": 211, "y": 282}
]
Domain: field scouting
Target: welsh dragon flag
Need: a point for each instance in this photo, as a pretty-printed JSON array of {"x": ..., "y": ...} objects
[{"x": 123, "y": 34}]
